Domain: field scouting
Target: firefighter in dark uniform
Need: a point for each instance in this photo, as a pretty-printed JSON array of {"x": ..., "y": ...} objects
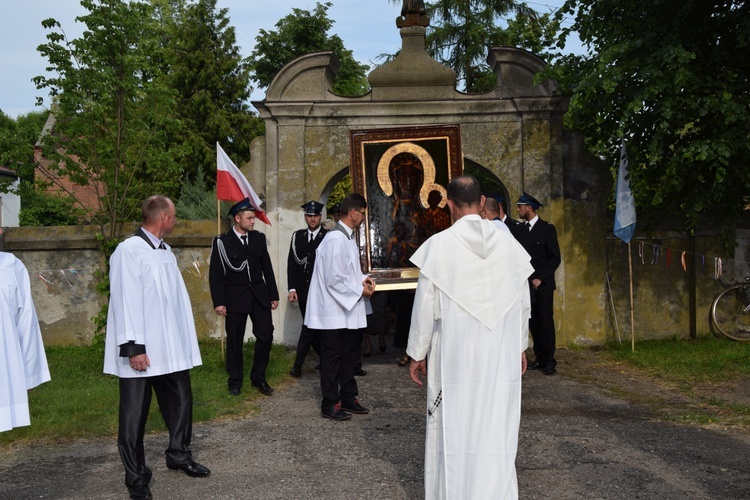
[{"x": 299, "y": 271}]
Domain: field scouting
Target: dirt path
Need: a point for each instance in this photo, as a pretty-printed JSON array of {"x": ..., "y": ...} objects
[{"x": 590, "y": 432}]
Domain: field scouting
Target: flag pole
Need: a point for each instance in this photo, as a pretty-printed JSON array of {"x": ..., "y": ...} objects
[
  {"x": 625, "y": 223},
  {"x": 632, "y": 315},
  {"x": 218, "y": 231}
]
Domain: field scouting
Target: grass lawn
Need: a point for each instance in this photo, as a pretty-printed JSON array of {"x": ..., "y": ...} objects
[
  {"x": 713, "y": 371},
  {"x": 81, "y": 402},
  {"x": 688, "y": 361}
]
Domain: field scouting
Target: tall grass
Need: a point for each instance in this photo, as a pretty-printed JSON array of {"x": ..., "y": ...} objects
[{"x": 81, "y": 402}]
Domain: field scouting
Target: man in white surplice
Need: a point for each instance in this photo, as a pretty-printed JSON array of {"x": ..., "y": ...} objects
[
  {"x": 23, "y": 364},
  {"x": 471, "y": 314},
  {"x": 337, "y": 307},
  {"x": 151, "y": 345}
]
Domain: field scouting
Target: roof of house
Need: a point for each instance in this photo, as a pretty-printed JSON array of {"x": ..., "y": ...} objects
[{"x": 6, "y": 172}]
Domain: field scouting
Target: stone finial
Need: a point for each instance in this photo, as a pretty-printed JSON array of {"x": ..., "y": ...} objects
[{"x": 413, "y": 13}]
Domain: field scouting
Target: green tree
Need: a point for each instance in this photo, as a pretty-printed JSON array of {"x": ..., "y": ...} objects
[
  {"x": 114, "y": 114},
  {"x": 304, "y": 32},
  {"x": 38, "y": 208},
  {"x": 671, "y": 78},
  {"x": 462, "y": 31},
  {"x": 114, "y": 117},
  {"x": 197, "y": 200},
  {"x": 340, "y": 190},
  {"x": 203, "y": 64},
  {"x": 17, "y": 139}
]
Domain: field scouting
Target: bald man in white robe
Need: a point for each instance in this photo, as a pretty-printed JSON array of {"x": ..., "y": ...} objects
[
  {"x": 470, "y": 316},
  {"x": 151, "y": 345}
]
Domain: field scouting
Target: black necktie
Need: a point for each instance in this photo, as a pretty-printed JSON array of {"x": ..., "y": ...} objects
[
  {"x": 309, "y": 237},
  {"x": 244, "y": 240},
  {"x": 161, "y": 246},
  {"x": 528, "y": 226}
]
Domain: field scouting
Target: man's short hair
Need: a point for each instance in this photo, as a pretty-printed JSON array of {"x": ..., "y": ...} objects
[
  {"x": 464, "y": 190},
  {"x": 153, "y": 207},
  {"x": 491, "y": 205},
  {"x": 352, "y": 201},
  {"x": 501, "y": 204}
]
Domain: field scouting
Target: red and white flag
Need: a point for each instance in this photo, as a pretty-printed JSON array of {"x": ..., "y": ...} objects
[{"x": 231, "y": 185}]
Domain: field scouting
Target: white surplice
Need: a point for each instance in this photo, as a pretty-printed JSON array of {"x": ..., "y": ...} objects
[
  {"x": 335, "y": 298},
  {"x": 23, "y": 364},
  {"x": 149, "y": 304},
  {"x": 502, "y": 226},
  {"x": 470, "y": 319}
]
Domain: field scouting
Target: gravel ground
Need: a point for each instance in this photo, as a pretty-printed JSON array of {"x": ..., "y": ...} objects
[{"x": 578, "y": 440}]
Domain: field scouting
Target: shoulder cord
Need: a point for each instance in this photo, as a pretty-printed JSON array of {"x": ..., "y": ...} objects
[
  {"x": 225, "y": 260},
  {"x": 300, "y": 262}
]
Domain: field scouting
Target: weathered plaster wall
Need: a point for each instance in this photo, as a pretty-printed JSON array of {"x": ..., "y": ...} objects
[
  {"x": 661, "y": 288},
  {"x": 63, "y": 262}
]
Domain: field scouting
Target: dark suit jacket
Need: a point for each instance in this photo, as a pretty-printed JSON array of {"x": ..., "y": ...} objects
[
  {"x": 541, "y": 244},
  {"x": 237, "y": 290},
  {"x": 514, "y": 226},
  {"x": 298, "y": 275}
]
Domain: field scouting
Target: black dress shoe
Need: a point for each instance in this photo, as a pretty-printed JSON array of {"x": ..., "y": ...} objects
[
  {"x": 192, "y": 469},
  {"x": 295, "y": 372},
  {"x": 335, "y": 413},
  {"x": 140, "y": 492},
  {"x": 355, "y": 407},
  {"x": 234, "y": 392},
  {"x": 533, "y": 365},
  {"x": 550, "y": 370},
  {"x": 359, "y": 372},
  {"x": 263, "y": 387}
]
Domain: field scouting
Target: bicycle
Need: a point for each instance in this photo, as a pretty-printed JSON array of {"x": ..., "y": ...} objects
[{"x": 730, "y": 311}]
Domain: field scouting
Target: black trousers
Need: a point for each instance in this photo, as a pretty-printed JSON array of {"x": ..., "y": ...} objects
[
  {"x": 338, "y": 351},
  {"x": 307, "y": 339},
  {"x": 175, "y": 398},
  {"x": 263, "y": 332},
  {"x": 403, "y": 302},
  {"x": 542, "y": 326}
]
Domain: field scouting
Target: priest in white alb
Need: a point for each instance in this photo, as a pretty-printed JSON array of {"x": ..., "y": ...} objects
[
  {"x": 23, "y": 364},
  {"x": 468, "y": 334}
]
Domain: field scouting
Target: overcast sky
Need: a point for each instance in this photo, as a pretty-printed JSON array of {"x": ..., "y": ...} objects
[{"x": 367, "y": 27}]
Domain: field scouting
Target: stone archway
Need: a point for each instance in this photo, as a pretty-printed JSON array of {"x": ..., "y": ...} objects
[
  {"x": 491, "y": 184},
  {"x": 513, "y": 133},
  {"x": 334, "y": 180}
]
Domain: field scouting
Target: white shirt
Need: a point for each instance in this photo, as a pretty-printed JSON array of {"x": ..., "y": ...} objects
[
  {"x": 312, "y": 234},
  {"x": 531, "y": 223},
  {"x": 154, "y": 240}
]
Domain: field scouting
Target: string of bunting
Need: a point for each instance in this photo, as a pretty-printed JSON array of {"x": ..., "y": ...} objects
[
  {"x": 657, "y": 251},
  {"x": 69, "y": 277}
]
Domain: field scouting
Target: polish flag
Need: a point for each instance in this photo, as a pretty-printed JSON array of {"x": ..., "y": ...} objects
[{"x": 231, "y": 185}]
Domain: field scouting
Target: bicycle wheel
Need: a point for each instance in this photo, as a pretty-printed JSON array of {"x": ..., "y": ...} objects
[{"x": 730, "y": 312}]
